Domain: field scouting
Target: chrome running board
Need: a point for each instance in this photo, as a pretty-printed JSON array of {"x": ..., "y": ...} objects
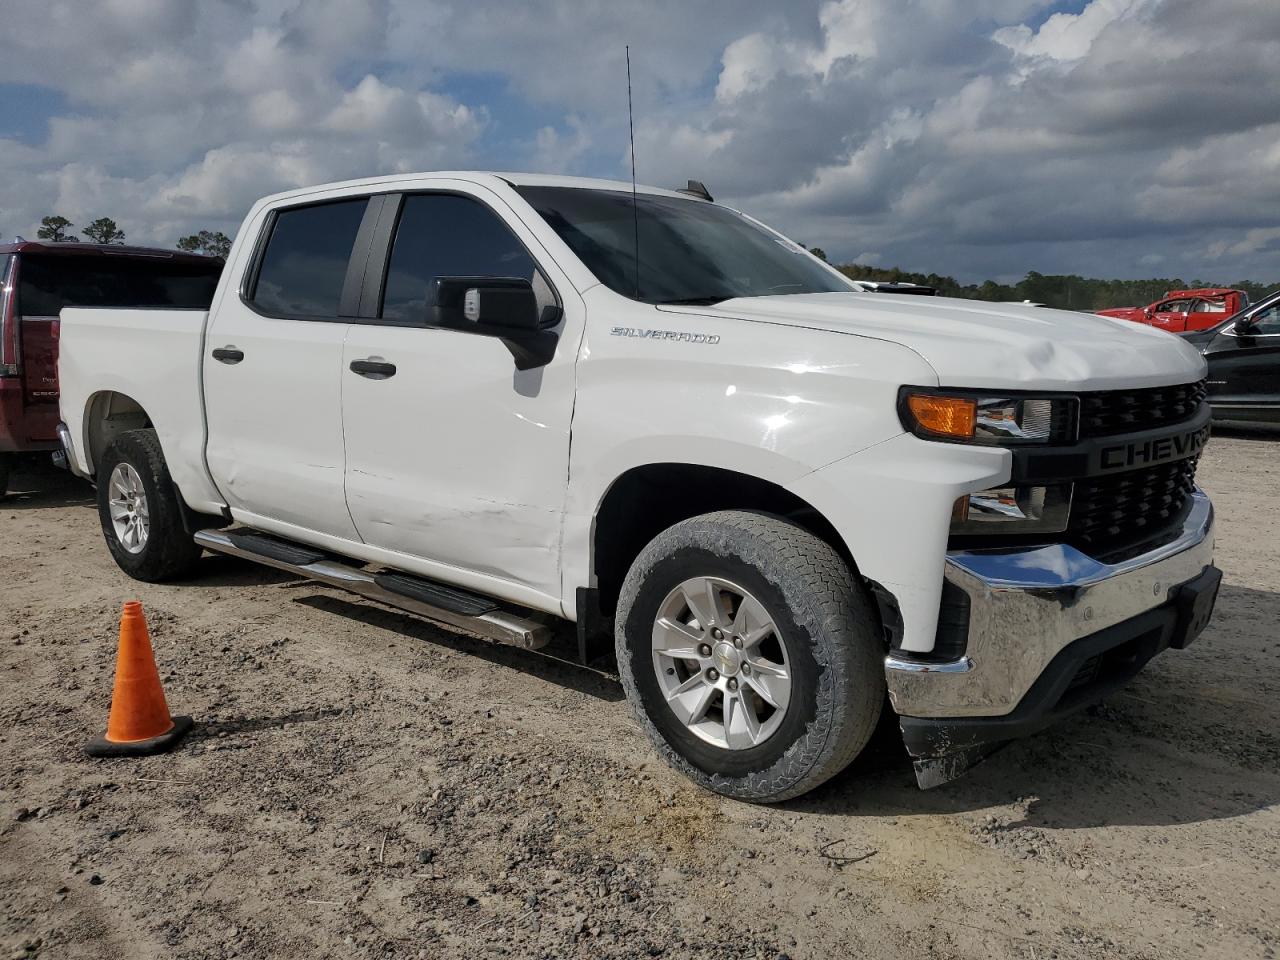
[{"x": 494, "y": 624}]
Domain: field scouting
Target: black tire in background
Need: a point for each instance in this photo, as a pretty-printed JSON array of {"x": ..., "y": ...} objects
[
  {"x": 832, "y": 643},
  {"x": 6, "y": 468},
  {"x": 169, "y": 551}
]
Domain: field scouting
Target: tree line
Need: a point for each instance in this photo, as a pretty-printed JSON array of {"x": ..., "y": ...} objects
[
  {"x": 58, "y": 229},
  {"x": 1065, "y": 291}
]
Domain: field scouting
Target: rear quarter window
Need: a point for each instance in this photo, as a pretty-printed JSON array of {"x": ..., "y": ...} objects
[{"x": 47, "y": 283}]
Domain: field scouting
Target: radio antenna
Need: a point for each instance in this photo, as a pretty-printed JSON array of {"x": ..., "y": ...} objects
[{"x": 635, "y": 212}]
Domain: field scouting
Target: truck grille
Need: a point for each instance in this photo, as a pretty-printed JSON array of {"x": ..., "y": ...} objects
[
  {"x": 1109, "y": 514},
  {"x": 1112, "y": 412}
]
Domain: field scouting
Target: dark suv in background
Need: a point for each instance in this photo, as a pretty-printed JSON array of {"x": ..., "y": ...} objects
[
  {"x": 36, "y": 281},
  {"x": 1243, "y": 353}
]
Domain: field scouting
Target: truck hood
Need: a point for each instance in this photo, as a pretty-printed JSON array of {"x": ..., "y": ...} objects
[{"x": 974, "y": 343}]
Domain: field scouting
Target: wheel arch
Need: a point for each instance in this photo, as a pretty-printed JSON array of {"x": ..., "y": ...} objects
[
  {"x": 648, "y": 498},
  {"x": 107, "y": 414}
]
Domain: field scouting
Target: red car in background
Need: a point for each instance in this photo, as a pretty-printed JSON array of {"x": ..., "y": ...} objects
[
  {"x": 36, "y": 281},
  {"x": 1182, "y": 311}
]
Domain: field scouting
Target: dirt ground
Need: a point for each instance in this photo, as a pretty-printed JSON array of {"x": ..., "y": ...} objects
[{"x": 364, "y": 784}]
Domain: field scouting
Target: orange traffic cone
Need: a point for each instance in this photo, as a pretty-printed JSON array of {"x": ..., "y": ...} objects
[{"x": 139, "y": 722}]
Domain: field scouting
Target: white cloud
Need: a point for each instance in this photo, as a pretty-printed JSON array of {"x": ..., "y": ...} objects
[
  {"x": 971, "y": 136},
  {"x": 181, "y": 116},
  {"x": 752, "y": 61},
  {"x": 1070, "y": 36},
  {"x": 374, "y": 108},
  {"x": 557, "y": 152},
  {"x": 1258, "y": 239}
]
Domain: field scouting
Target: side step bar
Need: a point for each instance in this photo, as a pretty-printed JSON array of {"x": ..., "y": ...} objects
[{"x": 446, "y": 605}]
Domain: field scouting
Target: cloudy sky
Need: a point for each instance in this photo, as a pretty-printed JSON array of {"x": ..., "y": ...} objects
[{"x": 980, "y": 138}]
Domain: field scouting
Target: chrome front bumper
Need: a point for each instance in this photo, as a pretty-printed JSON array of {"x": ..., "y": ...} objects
[{"x": 1027, "y": 605}]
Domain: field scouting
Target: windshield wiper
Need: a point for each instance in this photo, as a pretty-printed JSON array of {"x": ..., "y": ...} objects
[{"x": 693, "y": 301}]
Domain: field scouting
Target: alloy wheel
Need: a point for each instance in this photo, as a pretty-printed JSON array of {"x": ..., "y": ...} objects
[{"x": 721, "y": 663}]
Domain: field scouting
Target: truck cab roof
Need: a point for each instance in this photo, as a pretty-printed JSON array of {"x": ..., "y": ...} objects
[
  {"x": 1198, "y": 292},
  {"x": 491, "y": 178},
  {"x": 62, "y": 248}
]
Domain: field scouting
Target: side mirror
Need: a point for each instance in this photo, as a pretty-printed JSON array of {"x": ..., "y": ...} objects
[
  {"x": 502, "y": 307},
  {"x": 495, "y": 304},
  {"x": 1243, "y": 327}
]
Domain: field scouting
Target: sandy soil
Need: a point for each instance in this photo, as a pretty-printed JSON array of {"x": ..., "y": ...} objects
[{"x": 364, "y": 784}]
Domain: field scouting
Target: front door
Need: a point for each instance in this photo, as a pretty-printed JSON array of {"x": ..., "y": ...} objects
[
  {"x": 454, "y": 456},
  {"x": 1172, "y": 315},
  {"x": 273, "y": 375},
  {"x": 1244, "y": 369}
]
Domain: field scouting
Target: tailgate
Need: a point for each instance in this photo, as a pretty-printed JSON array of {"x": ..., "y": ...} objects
[{"x": 38, "y": 337}]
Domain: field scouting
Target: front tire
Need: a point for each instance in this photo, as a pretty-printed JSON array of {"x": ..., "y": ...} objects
[
  {"x": 140, "y": 512},
  {"x": 750, "y": 655}
]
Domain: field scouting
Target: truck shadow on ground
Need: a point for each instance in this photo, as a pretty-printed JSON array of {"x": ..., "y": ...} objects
[
  {"x": 220, "y": 570},
  {"x": 1152, "y": 754},
  {"x": 556, "y": 663},
  {"x": 1195, "y": 737},
  {"x": 41, "y": 486},
  {"x": 1056, "y": 781}
]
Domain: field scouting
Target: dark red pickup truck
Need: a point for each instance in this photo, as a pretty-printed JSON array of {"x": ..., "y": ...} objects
[
  {"x": 36, "y": 281},
  {"x": 1184, "y": 311}
]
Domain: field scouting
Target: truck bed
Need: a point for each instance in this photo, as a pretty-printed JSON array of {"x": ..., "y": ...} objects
[{"x": 148, "y": 358}]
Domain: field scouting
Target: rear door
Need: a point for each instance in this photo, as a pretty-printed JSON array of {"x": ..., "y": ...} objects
[
  {"x": 1244, "y": 371},
  {"x": 1210, "y": 311},
  {"x": 272, "y": 372}
]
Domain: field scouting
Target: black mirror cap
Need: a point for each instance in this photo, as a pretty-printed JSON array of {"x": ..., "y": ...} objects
[
  {"x": 1243, "y": 327},
  {"x": 502, "y": 307},
  {"x": 493, "y": 303}
]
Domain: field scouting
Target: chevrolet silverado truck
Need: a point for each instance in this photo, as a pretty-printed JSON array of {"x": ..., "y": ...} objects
[
  {"x": 503, "y": 401},
  {"x": 36, "y": 281},
  {"x": 1185, "y": 311}
]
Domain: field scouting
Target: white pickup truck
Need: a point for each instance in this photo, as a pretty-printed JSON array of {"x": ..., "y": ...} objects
[{"x": 498, "y": 400}]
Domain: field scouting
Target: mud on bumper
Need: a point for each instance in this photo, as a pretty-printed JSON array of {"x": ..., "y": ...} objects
[{"x": 1051, "y": 630}]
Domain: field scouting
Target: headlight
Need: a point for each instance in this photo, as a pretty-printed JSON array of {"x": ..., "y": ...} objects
[
  {"x": 1013, "y": 509},
  {"x": 994, "y": 420}
]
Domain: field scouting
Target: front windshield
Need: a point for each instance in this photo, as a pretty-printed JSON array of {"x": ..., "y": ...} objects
[{"x": 690, "y": 251}]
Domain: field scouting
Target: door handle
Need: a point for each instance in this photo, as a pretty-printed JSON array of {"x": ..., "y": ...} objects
[
  {"x": 228, "y": 354},
  {"x": 373, "y": 368}
]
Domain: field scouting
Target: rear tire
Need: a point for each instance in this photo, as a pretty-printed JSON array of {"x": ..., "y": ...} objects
[
  {"x": 787, "y": 618},
  {"x": 140, "y": 512}
]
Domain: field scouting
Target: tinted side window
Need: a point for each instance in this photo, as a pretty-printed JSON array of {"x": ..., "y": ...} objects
[
  {"x": 48, "y": 283},
  {"x": 305, "y": 263},
  {"x": 441, "y": 235},
  {"x": 1268, "y": 320}
]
